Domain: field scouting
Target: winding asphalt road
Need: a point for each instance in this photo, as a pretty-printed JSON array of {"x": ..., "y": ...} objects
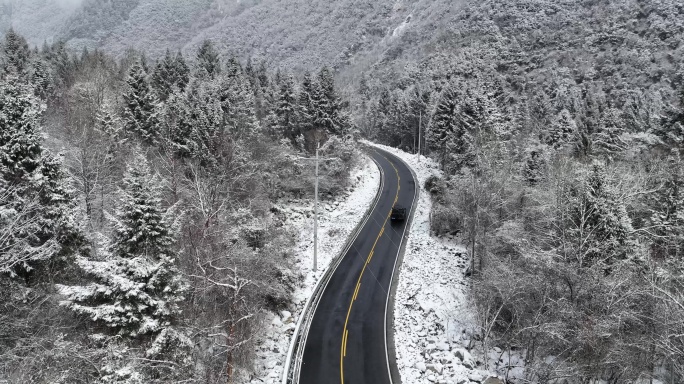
[{"x": 347, "y": 341}]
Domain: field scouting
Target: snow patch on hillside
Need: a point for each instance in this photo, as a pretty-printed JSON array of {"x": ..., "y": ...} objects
[
  {"x": 337, "y": 219},
  {"x": 434, "y": 324}
]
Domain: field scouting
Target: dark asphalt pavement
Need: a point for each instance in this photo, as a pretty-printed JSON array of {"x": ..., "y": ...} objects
[{"x": 352, "y": 306}]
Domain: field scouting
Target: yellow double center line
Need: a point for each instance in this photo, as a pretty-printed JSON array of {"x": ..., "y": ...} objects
[{"x": 345, "y": 331}]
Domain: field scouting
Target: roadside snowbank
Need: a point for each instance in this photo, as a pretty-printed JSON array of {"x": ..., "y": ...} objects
[
  {"x": 337, "y": 219},
  {"x": 433, "y": 321}
]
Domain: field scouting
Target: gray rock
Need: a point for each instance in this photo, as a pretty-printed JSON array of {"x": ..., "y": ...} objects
[
  {"x": 476, "y": 377},
  {"x": 437, "y": 368},
  {"x": 493, "y": 380}
]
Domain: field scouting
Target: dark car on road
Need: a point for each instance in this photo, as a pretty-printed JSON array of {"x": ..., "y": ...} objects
[{"x": 398, "y": 213}]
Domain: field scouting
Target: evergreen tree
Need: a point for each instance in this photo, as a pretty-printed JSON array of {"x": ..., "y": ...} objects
[
  {"x": 16, "y": 52},
  {"x": 170, "y": 72},
  {"x": 600, "y": 227},
  {"x": 210, "y": 140},
  {"x": 329, "y": 111},
  {"x": 250, "y": 72},
  {"x": 181, "y": 71},
  {"x": 237, "y": 102},
  {"x": 533, "y": 169},
  {"x": 208, "y": 62},
  {"x": 63, "y": 66},
  {"x": 667, "y": 211},
  {"x": 450, "y": 131},
  {"x": 262, "y": 75},
  {"x": 305, "y": 105},
  {"x": 180, "y": 125},
  {"x": 234, "y": 69},
  {"x": 442, "y": 124},
  {"x": 382, "y": 116},
  {"x": 285, "y": 110},
  {"x": 109, "y": 124},
  {"x": 163, "y": 77},
  {"x": 608, "y": 138},
  {"x": 34, "y": 184},
  {"x": 562, "y": 130},
  {"x": 671, "y": 130},
  {"x": 137, "y": 287},
  {"x": 42, "y": 80},
  {"x": 140, "y": 107}
]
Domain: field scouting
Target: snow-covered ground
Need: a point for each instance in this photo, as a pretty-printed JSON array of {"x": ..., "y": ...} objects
[
  {"x": 433, "y": 320},
  {"x": 337, "y": 219}
]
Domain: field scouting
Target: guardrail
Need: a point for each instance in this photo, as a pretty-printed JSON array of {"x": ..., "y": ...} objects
[{"x": 295, "y": 352}]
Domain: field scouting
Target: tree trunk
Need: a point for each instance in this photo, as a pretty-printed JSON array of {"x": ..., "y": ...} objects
[{"x": 229, "y": 357}]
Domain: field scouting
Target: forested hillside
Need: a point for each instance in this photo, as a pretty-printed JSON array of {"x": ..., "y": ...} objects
[
  {"x": 298, "y": 35},
  {"x": 559, "y": 127},
  {"x": 139, "y": 239}
]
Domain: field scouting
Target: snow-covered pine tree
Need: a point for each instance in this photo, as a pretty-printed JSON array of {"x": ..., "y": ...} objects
[
  {"x": 306, "y": 111},
  {"x": 450, "y": 131},
  {"x": 562, "y": 130},
  {"x": 33, "y": 183},
  {"x": 382, "y": 115},
  {"x": 208, "y": 62},
  {"x": 237, "y": 102},
  {"x": 108, "y": 123},
  {"x": 326, "y": 102},
  {"x": 211, "y": 145},
  {"x": 533, "y": 168},
  {"x": 671, "y": 130},
  {"x": 667, "y": 211},
  {"x": 137, "y": 287},
  {"x": 180, "y": 125},
  {"x": 163, "y": 77},
  {"x": 285, "y": 110},
  {"x": 16, "y": 53},
  {"x": 234, "y": 69},
  {"x": 250, "y": 72},
  {"x": 169, "y": 73},
  {"x": 181, "y": 71},
  {"x": 608, "y": 137},
  {"x": 442, "y": 122},
  {"x": 42, "y": 79},
  {"x": 63, "y": 66},
  {"x": 140, "y": 106},
  {"x": 600, "y": 226}
]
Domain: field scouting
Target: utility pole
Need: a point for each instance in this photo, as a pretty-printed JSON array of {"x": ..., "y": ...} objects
[
  {"x": 420, "y": 124},
  {"x": 315, "y": 259},
  {"x": 317, "y": 160}
]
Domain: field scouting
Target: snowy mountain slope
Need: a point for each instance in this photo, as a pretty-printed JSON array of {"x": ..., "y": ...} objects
[
  {"x": 37, "y": 20},
  {"x": 295, "y": 34}
]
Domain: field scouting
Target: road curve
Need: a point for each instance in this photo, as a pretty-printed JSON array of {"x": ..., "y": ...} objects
[{"x": 346, "y": 342}]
